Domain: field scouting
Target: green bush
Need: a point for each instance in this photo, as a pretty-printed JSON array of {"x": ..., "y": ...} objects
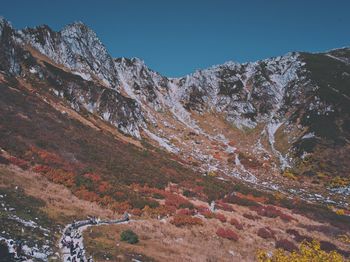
[{"x": 129, "y": 236}]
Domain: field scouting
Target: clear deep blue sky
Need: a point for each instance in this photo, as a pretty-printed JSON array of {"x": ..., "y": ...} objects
[{"x": 175, "y": 37}]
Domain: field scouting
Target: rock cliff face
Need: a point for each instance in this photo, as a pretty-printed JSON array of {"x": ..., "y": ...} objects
[{"x": 289, "y": 112}]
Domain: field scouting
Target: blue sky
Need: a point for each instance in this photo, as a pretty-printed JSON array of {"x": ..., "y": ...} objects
[{"x": 177, "y": 37}]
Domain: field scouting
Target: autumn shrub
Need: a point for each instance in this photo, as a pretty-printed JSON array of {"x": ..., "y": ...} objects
[
  {"x": 267, "y": 211},
  {"x": 85, "y": 194},
  {"x": 286, "y": 217},
  {"x": 308, "y": 251},
  {"x": 185, "y": 220},
  {"x": 177, "y": 201},
  {"x": 61, "y": 176},
  {"x": 103, "y": 187},
  {"x": 93, "y": 177},
  {"x": 198, "y": 190},
  {"x": 254, "y": 196},
  {"x": 233, "y": 199},
  {"x": 120, "y": 207},
  {"x": 42, "y": 169},
  {"x": 220, "y": 217},
  {"x": 201, "y": 208},
  {"x": 18, "y": 162},
  {"x": 129, "y": 236},
  {"x": 185, "y": 211},
  {"x": 266, "y": 233},
  {"x": 119, "y": 196},
  {"x": 213, "y": 188},
  {"x": 207, "y": 213},
  {"x": 251, "y": 217},
  {"x": 236, "y": 223},
  {"x": 286, "y": 244},
  {"x": 105, "y": 201},
  {"x": 271, "y": 212},
  {"x": 227, "y": 233},
  {"x": 136, "y": 212},
  {"x": 224, "y": 206}
]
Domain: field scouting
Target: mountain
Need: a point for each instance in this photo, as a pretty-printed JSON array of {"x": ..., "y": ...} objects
[
  {"x": 69, "y": 111},
  {"x": 293, "y": 108}
]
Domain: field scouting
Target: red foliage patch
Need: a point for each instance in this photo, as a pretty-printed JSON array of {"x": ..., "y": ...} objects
[
  {"x": 271, "y": 212},
  {"x": 85, "y": 194},
  {"x": 198, "y": 189},
  {"x": 240, "y": 200},
  {"x": 42, "y": 169},
  {"x": 266, "y": 233},
  {"x": 61, "y": 176},
  {"x": 266, "y": 211},
  {"x": 136, "y": 212},
  {"x": 207, "y": 214},
  {"x": 201, "y": 209},
  {"x": 185, "y": 211},
  {"x": 236, "y": 223},
  {"x": 251, "y": 217},
  {"x": 120, "y": 207},
  {"x": 119, "y": 194},
  {"x": 227, "y": 233},
  {"x": 286, "y": 245},
  {"x": 93, "y": 177},
  {"x": 104, "y": 186},
  {"x": 217, "y": 155},
  {"x": 252, "y": 197},
  {"x": 224, "y": 206},
  {"x": 286, "y": 217},
  {"x": 220, "y": 217},
  {"x": 18, "y": 162},
  {"x": 177, "y": 201}
]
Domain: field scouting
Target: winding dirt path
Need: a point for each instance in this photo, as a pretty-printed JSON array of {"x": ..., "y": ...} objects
[{"x": 71, "y": 243}]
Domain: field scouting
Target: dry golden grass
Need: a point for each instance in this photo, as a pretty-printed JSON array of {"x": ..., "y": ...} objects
[
  {"x": 162, "y": 241},
  {"x": 61, "y": 205}
]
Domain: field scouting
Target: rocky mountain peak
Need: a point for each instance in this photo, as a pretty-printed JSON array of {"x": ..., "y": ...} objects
[
  {"x": 285, "y": 96},
  {"x": 4, "y": 25}
]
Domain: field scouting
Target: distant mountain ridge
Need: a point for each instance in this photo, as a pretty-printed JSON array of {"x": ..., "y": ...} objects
[{"x": 293, "y": 110}]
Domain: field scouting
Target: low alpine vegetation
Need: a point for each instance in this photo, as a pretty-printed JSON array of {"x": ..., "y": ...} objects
[{"x": 129, "y": 236}]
